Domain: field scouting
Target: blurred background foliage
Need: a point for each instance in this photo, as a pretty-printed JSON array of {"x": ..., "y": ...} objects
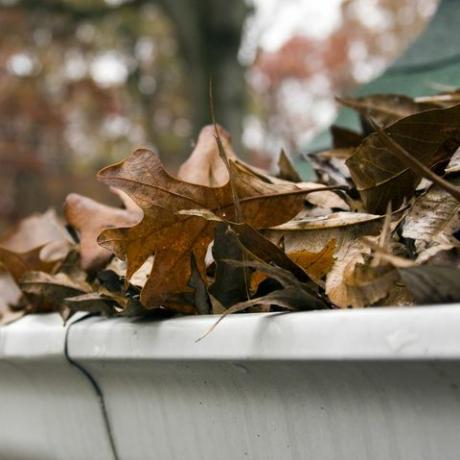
[{"x": 83, "y": 82}]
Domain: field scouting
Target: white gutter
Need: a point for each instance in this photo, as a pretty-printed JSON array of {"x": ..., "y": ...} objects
[{"x": 362, "y": 384}]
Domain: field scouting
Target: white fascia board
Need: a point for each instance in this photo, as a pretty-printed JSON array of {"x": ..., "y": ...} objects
[
  {"x": 418, "y": 333},
  {"x": 48, "y": 408}
]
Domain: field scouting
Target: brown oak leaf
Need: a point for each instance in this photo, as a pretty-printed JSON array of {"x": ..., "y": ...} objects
[{"x": 174, "y": 238}]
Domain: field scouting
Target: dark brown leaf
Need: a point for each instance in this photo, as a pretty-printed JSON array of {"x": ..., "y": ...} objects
[
  {"x": 432, "y": 283},
  {"x": 379, "y": 173}
]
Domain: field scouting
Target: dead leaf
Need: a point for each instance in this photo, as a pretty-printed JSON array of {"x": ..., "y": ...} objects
[
  {"x": 172, "y": 238},
  {"x": 230, "y": 283},
  {"x": 204, "y": 166},
  {"x": 46, "y": 293},
  {"x": 90, "y": 218},
  {"x": 365, "y": 284},
  {"x": 286, "y": 169},
  {"x": 316, "y": 264},
  {"x": 93, "y": 302},
  {"x": 433, "y": 220},
  {"x": 377, "y": 170},
  {"x": 347, "y": 230},
  {"x": 385, "y": 109},
  {"x": 18, "y": 264},
  {"x": 330, "y": 166},
  {"x": 454, "y": 164},
  {"x": 431, "y": 284},
  {"x": 323, "y": 198},
  {"x": 294, "y": 295},
  {"x": 9, "y": 296},
  {"x": 343, "y": 138},
  {"x": 201, "y": 299},
  {"x": 37, "y": 230}
]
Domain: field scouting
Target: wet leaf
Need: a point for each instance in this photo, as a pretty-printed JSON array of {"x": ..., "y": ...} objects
[{"x": 379, "y": 173}]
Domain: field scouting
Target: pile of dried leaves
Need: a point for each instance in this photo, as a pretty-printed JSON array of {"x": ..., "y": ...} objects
[{"x": 381, "y": 226}]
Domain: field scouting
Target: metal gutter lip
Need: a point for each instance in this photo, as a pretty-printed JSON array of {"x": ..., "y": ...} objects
[
  {"x": 33, "y": 337},
  {"x": 416, "y": 333}
]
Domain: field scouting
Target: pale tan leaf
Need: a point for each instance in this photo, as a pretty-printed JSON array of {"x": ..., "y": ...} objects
[
  {"x": 433, "y": 219},
  {"x": 90, "y": 218},
  {"x": 205, "y": 166},
  {"x": 38, "y": 230},
  {"x": 9, "y": 296}
]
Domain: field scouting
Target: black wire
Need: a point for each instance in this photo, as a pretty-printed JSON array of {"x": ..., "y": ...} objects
[{"x": 94, "y": 384}]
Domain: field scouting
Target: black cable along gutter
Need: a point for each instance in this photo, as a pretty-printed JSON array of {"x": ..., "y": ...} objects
[{"x": 94, "y": 384}]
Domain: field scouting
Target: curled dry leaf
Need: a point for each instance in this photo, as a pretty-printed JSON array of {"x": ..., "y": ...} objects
[
  {"x": 18, "y": 264},
  {"x": 379, "y": 173},
  {"x": 47, "y": 293},
  {"x": 434, "y": 220},
  {"x": 347, "y": 230},
  {"x": 45, "y": 231},
  {"x": 454, "y": 164},
  {"x": 173, "y": 238},
  {"x": 90, "y": 218},
  {"x": 205, "y": 166}
]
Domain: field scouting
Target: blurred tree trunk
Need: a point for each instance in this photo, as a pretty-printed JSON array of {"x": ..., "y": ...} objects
[{"x": 209, "y": 34}]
